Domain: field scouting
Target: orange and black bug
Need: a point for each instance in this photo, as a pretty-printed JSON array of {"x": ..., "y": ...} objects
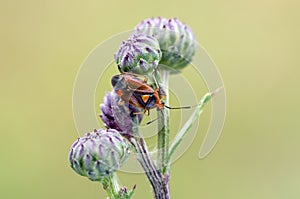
[
  {"x": 137, "y": 92},
  {"x": 134, "y": 91}
]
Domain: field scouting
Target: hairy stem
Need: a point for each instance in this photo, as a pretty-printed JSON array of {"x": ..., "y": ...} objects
[
  {"x": 163, "y": 128},
  {"x": 156, "y": 179},
  {"x": 110, "y": 184}
]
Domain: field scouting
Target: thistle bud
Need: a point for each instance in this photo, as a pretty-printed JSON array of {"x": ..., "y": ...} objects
[
  {"x": 99, "y": 154},
  {"x": 118, "y": 116},
  {"x": 139, "y": 54},
  {"x": 177, "y": 41}
]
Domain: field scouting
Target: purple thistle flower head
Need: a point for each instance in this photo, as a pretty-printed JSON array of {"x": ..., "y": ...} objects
[
  {"x": 177, "y": 41},
  {"x": 118, "y": 116},
  {"x": 139, "y": 54},
  {"x": 98, "y": 154}
]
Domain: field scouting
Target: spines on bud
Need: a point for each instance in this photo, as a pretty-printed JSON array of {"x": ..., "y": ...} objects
[
  {"x": 176, "y": 40},
  {"x": 99, "y": 154},
  {"x": 139, "y": 54}
]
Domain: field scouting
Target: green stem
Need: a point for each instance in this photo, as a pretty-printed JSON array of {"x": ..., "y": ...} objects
[
  {"x": 163, "y": 128},
  {"x": 156, "y": 179},
  {"x": 111, "y": 186},
  {"x": 163, "y": 141}
]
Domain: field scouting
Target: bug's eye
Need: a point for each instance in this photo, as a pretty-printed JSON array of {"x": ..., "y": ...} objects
[{"x": 115, "y": 80}]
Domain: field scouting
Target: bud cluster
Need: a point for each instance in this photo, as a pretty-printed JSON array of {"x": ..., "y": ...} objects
[
  {"x": 167, "y": 42},
  {"x": 155, "y": 44}
]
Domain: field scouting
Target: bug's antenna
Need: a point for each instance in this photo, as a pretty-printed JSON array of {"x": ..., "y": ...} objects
[
  {"x": 188, "y": 107},
  {"x": 182, "y": 107}
]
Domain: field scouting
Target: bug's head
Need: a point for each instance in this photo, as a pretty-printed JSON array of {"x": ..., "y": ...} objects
[{"x": 161, "y": 105}]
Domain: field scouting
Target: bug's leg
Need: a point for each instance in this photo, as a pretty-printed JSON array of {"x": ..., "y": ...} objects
[
  {"x": 145, "y": 79},
  {"x": 137, "y": 75},
  {"x": 154, "y": 78},
  {"x": 161, "y": 93},
  {"x": 147, "y": 112},
  {"x": 150, "y": 122},
  {"x": 138, "y": 113},
  {"x": 131, "y": 74},
  {"x": 128, "y": 73}
]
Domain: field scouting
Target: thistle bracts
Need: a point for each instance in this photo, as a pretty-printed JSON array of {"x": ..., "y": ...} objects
[
  {"x": 118, "y": 116},
  {"x": 177, "y": 41},
  {"x": 139, "y": 54},
  {"x": 99, "y": 154}
]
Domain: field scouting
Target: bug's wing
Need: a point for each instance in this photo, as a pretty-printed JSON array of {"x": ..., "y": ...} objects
[{"x": 136, "y": 101}]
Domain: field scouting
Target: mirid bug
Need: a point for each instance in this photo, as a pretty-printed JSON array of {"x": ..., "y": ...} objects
[{"x": 137, "y": 92}]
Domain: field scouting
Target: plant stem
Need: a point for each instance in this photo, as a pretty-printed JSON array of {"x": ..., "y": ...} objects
[
  {"x": 156, "y": 179},
  {"x": 114, "y": 191},
  {"x": 111, "y": 186},
  {"x": 163, "y": 128},
  {"x": 163, "y": 141}
]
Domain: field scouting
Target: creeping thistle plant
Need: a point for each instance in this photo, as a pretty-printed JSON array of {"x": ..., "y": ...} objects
[{"x": 157, "y": 48}]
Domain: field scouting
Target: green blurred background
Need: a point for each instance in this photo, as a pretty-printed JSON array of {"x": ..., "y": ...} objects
[{"x": 255, "y": 45}]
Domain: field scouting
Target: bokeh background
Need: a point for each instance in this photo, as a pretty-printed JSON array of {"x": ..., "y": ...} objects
[{"x": 255, "y": 45}]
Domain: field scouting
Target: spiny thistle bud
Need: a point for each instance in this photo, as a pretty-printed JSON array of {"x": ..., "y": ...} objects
[
  {"x": 118, "y": 116},
  {"x": 177, "y": 41},
  {"x": 139, "y": 54},
  {"x": 99, "y": 154}
]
